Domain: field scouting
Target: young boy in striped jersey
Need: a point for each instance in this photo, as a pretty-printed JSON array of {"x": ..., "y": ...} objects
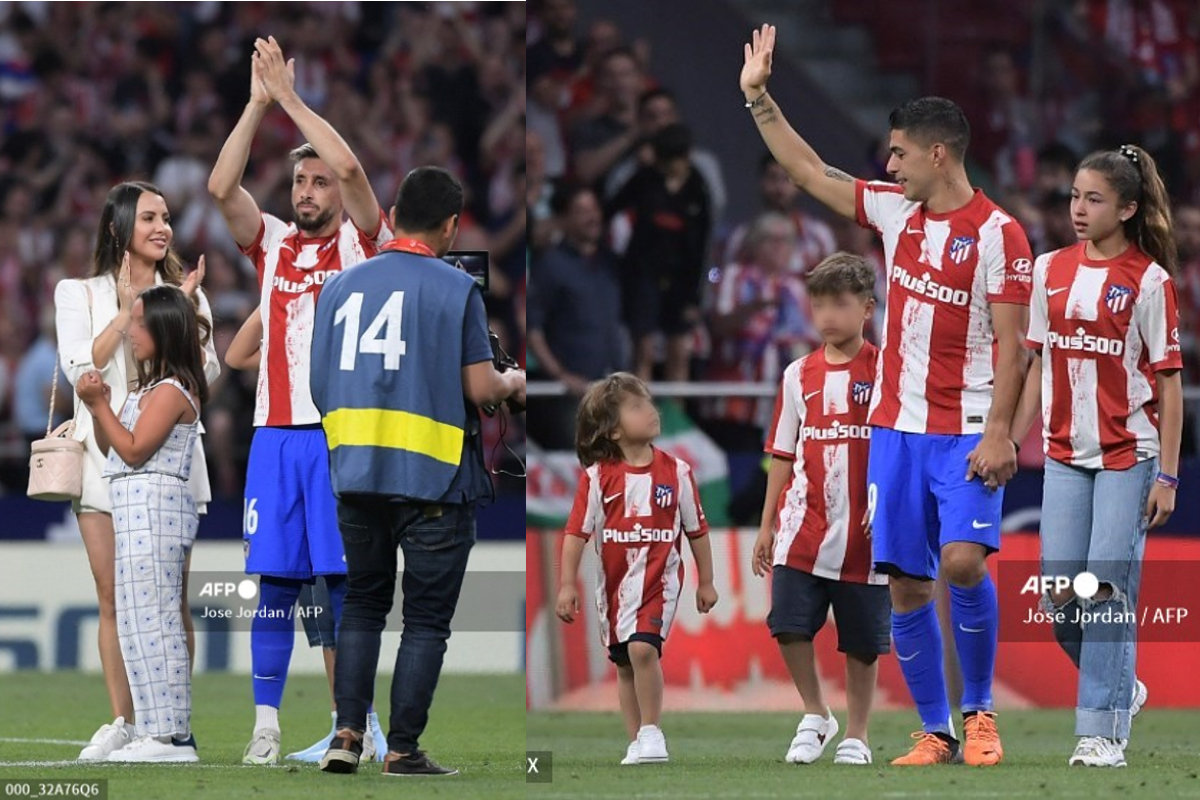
[{"x": 814, "y": 536}]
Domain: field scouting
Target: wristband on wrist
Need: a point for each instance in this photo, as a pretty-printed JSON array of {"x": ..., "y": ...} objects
[
  {"x": 756, "y": 101},
  {"x": 1170, "y": 481}
]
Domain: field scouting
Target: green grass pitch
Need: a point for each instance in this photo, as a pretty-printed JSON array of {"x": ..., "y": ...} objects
[
  {"x": 740, "y": 755},
  {"x": 477, "y": 724}
]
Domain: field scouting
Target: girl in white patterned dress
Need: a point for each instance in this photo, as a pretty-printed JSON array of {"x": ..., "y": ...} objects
[{"x": 149, "y": 461}]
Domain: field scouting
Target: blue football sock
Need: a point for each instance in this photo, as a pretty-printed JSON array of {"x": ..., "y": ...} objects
[
  {"x": 272, "y": 636},
  {"x": 975, "y": 616},
  {"x": 919, "y": 651}
]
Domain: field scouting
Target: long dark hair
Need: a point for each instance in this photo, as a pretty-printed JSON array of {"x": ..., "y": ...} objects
[
  {"x": 600, "y": 414},
  {"x": 116, "y": 230},
  {"x": 175, "y": 328},
  {"x": 1133, "y": 175}
]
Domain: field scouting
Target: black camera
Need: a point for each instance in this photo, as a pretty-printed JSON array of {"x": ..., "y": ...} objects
[{"x": 475, "y": 264}]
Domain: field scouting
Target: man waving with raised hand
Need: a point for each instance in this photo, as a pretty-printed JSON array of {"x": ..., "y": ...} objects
[{"x": 949, "y": 376}]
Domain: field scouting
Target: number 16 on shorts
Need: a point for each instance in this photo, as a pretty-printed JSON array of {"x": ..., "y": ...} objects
[{"x": 249, "y": 516}]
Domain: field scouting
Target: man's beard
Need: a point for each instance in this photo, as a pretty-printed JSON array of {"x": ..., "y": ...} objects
[{"x": 313, "y": 224}]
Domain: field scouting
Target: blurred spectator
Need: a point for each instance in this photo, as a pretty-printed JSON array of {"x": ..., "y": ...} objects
[
  {"x": 814, "y": 239},
  {"x": 600, "y": 141},
  {"x": 656, "y": 110},
  {"x": 669, "y": 214},
  {"x": 558, "y": 52},
  {"x": 854, "y": 238},
  {"x": 542, "y": 119},
  {"x": 574, "y": 315},
  {"x": 1056, "y": 164},
  {"x": 760, "y": 322},
  {"x": 539, "y": 189},
  {"x": 1004, "y": 133}
]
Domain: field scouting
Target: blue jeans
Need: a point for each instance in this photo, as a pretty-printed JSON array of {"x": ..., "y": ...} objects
[
  {"x": 1094, "y": 521},
  {"x": 436, "y": 540}
]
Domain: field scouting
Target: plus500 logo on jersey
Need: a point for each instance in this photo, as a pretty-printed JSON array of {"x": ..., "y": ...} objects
[
  {"x": 930, "y": 288},
  {"x": 316, "y": 278},
  {"x": 1087, "y": 343},
  {"x": 838, "y": 430},
  {"x": 638, "y": 535}
]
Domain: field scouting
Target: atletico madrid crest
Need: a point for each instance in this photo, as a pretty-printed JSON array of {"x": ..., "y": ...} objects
[
  {"x": 664, "y": 494},
  {"x": 960, "y": 248},
  {"x": 1117, "y": 298},
  {"x": 861, "y": 392}
]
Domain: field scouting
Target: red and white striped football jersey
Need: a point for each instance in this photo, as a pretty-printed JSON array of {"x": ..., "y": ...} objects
[
  {"x": 935, "y": 369},
  {"x": 291, "y": 271},
  {"x": 1104, "y": 328},
  {"x": 634, "y": 517},
  {"x": 821, "y": 423}
]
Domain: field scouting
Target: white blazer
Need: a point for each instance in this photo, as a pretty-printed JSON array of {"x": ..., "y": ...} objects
[{"x": 77, "y": 329}]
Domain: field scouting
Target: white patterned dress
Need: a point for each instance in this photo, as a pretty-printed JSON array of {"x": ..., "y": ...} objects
[{"x": 155, "y": 520}]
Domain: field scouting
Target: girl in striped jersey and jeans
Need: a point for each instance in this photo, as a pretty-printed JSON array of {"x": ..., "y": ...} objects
[{"x": 1104, "y": 331}]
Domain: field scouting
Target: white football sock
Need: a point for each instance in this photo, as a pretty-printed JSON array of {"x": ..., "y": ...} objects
[{"x": 266, "y": 717}]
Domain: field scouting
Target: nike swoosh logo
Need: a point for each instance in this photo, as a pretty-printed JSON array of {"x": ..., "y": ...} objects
[
  {"x": 909, "y": 658},
  {"x": 914, "y": 230},
  {"x": 1052, "y": 292},
  {"x": 266, "y": 677},
  {"x": 612, "y": 497},
  {"x": 977, "y": 525},
  {"x": 965, "y": 629},
  {"x": 810, "y": 394}
]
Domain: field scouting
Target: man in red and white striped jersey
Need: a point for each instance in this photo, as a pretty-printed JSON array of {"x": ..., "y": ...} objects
[
  {"x": 812, "y": 538},
  {"x": 290, "y": 528},
  {"x": 950, "y": 372}
]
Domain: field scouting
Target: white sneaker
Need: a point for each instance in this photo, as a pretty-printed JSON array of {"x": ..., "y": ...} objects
[
  {"x": 108, "y": 738},
  {"x": 652, "y": 745},
  {"x": 146, "y": 749},
  {"x": 263, "y": 748},
  {"x": 1140, "y": 693},
  {"x": 631, "y": 754},
  {"x": 813, "y": 734},
  {"x": 852, "y": 751},
  {"x": 1097, "y": 751}
]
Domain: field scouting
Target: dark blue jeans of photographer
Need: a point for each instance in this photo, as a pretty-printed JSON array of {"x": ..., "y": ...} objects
[{"x": 436, "y": 540}]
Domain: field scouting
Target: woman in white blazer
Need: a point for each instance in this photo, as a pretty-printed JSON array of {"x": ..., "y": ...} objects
[{"x": 133, "y": 252}]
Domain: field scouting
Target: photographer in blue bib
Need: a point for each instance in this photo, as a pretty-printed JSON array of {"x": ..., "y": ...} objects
[{"x": 401, "y": 364}]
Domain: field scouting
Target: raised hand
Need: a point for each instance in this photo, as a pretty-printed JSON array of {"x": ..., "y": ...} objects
[
  {"x": 192, "y": 281},
  {"x": 125, "y": 293},
  {"x": 278, "y": 77},
  {"x": 258, "y": 92},
  {"x": 757, "y": 67}
]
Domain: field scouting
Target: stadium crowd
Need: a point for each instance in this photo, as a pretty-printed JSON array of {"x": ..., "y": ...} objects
[{"x": 93, "y": 94}]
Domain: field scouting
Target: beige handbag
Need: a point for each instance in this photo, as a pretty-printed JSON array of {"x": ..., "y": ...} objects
[{"x": 56, "y": 462}]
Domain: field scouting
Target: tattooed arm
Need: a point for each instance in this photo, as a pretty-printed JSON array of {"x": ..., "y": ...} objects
[{"x": 828, "y": 184}]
